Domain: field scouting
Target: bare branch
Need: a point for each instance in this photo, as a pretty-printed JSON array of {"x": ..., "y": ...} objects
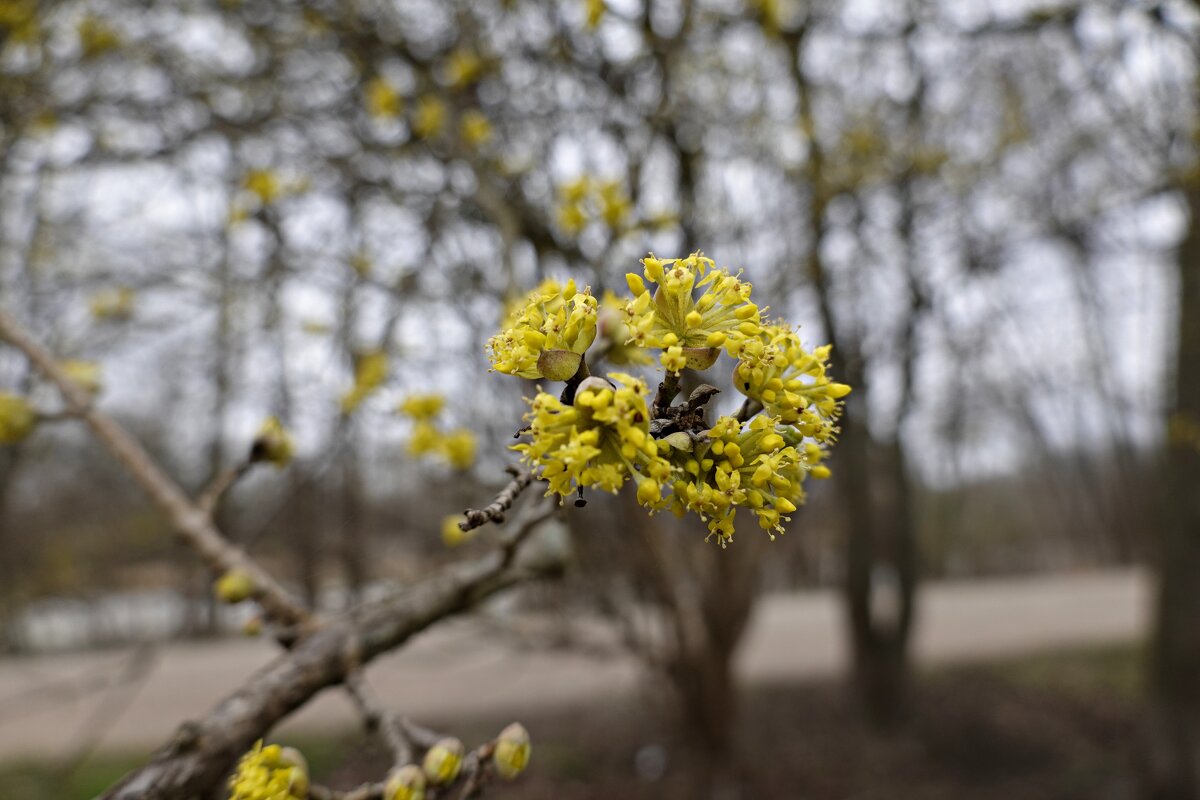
[
  {"x": 189, "y": 520},
  {"x": 495, "y": 511}
]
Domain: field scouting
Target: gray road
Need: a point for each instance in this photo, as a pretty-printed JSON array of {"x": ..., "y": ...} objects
[{"x": 51, "y": 705}]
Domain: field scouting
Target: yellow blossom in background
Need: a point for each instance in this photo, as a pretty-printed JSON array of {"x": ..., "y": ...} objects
[
  {"x": 615, "y": 206},
  {"x": 422, "y": 406},
  {"x": 273, "y": 444},
  {"x": 85, "y": 373},
  {"x": 234, "y": 587},
  {"x": 19, "y": 19},
  {"x": 382, "y": 99},
  {"x": 112, "y": 304},
  {"x": 602, "y": 440},
  {"x": 17, "y": 418},
  {"x": 512, "y": 752},
  {"x": 361, "y": 264},
  {"x": 370, "y": 371},
  {"x": 452, "y": 534},
  {"x": 96, "y": 36},
  {"x": 475, "y": 128},
  {"x": 547, "y": 335},
  {"x": 594, "y": 10},
  {"x": 458, "y": 447},
  {"x": 270, "y": 773},
  {"x": 463, "y": 68},
  {"x": 429, "y": 117},
  {"x": 791, "y": 383},
  {"x": 425, "y": 439},
  {"x": 691, "y": 331},
  {"x": 263, "y": 184},
  {"x": 770, "y": 13}
]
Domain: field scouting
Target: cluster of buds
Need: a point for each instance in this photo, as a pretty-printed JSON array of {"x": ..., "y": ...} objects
[
  {"x": 547, "y": 335},
  {"x": 456, "y": 446},
  {"x": 273, "y": 444},
  {"x": 370, "y": 371},
  {"x": 603, "y": 432},
  {"x": 443, "y": 763},
  {"x": 270, "y": 773},
  {"x": 586, "y": 198}
]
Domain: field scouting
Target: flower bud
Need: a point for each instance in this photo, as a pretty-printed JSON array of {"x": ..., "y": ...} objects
[
  {"x": 17, "y": 418},
  {"x": 443, "y": 761},
  {"x": 512, "y": 751},
  {"x": 252, "y": 626},
  {"x": 558, "y": 365},
  {"x": 234, "y": 586},
  {"x": 273, "y": 444},
  {"x": 406, "y": 783},
  {"x": 85, "y": 373}
]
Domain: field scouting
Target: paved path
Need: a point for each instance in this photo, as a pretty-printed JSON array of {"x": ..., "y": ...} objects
[{"x": 457, "y": 670}]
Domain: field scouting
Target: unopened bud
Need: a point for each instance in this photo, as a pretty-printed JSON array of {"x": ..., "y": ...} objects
[
  {"x": 558, "y": 365},
  {"x": 700, "y": 357},
  {"x": 234, "y": 586},
  {"x": 443, "y": 761},
  {"x": 406, "y": 783},
  {"x": 273, "y": 444},
  {"x": 511, "y": 755}
]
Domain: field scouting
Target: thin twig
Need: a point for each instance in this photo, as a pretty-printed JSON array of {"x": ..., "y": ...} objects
[
  {"x": 378, "y": 718},
  {"x": 222, "y": 483},
  {"x": 749, "y": 409},
  {"x": 504, "y": 500},
  {"x": 190, "y": 521}
]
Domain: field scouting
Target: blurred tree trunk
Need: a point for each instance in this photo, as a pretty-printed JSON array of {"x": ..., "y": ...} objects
[{"x": 1174, "y": 744}]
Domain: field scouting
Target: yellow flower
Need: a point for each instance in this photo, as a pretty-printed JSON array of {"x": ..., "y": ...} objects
[
  {"x": 270, "y": 773},
  {"x": 17, "y": 418},
  {"x": 382, "y": 99},
  {"x": 548, "y": 335},
  {"x": 112, "y": 304},
  {"x": 85, "y": 373},
  {"x": 406, "y": 783},
  {"x": 670, "y": 317},
  {"x": 429, "y": 118},
  {"x": 96, "y": 36},
  {"x": 425, "y": 439},
  {"x": 458, "y": 447},
  {"x": 475, "y": 128},
  {"x": 370, "y": 371},
  {"x": 615, "y": 206},
  {"x": 463, "y": 68},
  {"x": 443, "y": 761},
  {"x": 595, "y": 12},
  {"x": 422, "y": 406},
  {"x": 758, "y": 468},
  {"x": 273, "y": 444},
  {"x": 234, "y": 586},
  {"x": 452, "y": 534},
  {"x": 512, "y": 752},
  {"x": 602, "y": 440},
  {"x": 791, "y": 382},
  {"x": 264, "y": 184}
]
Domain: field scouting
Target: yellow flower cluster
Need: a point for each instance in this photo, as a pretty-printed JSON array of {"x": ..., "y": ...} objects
[
  {"x": 761, "y": 467},
  {"x": 17, "y": 418},
  {"x": 791, "y": 382},
  {"x": 270, "y": 773},
  {"x": 599, "y": 433},
  {"x": 587, "y": 198},
  {"x": 429, "y": 117},
  {"x": 513, "y": 749},
  {"x": 547, "y": 335},
  {"x": 382, "y": 98},
  {"x": 456, "y": 446},
  {"x": 370, "y": 371},
  {"x": 602, "y": 440},
  {"x": 475, "y": 128},
  {"x": 690, "y": 330}
]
